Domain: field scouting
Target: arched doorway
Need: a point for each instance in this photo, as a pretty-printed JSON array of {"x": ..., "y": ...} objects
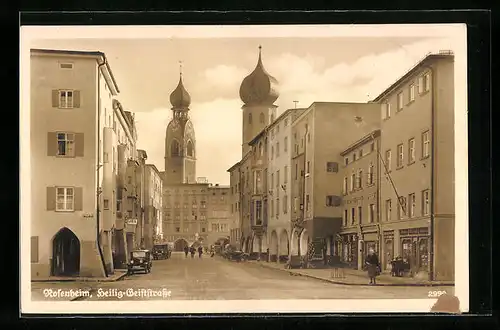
[
  {"x": 294, "y": 244},
  {"x": 283, "y": 246},
  {"x": 304, "y": 242},
  {"x": 273, "y": 246},
  {"x": 65, "y": 253},
  {"x": 256, "y": 244},
  {"x": 180, "y": 244}
]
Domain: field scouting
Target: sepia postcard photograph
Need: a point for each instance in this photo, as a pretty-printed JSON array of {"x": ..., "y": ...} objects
[{"x": 243, "y": 169}]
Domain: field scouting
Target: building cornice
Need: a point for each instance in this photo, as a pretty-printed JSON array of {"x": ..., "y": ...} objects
[{"x": 365, "y": 139}]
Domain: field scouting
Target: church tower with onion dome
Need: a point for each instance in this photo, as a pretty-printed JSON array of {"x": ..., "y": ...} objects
[
  {"x": 258, "y": 91},
  {"x": 180, "y": 142}
]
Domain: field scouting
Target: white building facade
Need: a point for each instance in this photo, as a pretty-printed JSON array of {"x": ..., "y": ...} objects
[{"x": 71, "y": 103}]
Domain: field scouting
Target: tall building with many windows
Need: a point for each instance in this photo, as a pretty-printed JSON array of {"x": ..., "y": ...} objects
[
  {"x": 360, "y": 229},
  {"x": 74, "y": 141},
  {"x": 218, "y": 214},
  {"x": 417, "y": 203}
]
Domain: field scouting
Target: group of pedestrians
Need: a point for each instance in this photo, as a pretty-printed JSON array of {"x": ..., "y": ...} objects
[{"x": 192, "y": 250}]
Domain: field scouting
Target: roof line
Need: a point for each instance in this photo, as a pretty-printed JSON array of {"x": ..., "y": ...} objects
[
  {"x": 420, "y": 64},
  {"x": 373, "y": 134},
  {"x": 81, "y": 52}
]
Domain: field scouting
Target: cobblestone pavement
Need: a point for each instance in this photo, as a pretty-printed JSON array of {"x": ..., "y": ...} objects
[{"x": 208, "y": 278}]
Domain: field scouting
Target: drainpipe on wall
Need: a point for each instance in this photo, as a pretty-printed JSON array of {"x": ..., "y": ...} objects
[{"x": 99, "y": 165}]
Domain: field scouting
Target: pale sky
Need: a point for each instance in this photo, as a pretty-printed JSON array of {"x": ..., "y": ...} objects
[{"x": 336, "y": 69}]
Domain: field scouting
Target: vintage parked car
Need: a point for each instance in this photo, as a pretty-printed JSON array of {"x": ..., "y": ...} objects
[
  {"x": 161, "y": 251},
  {"x": 140, "y": 260}
]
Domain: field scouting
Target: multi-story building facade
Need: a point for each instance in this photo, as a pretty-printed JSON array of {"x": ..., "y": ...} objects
[
  {"x": 279, "y": 175},
  {"x": 71, "y": 127},
  {"x": 153, "y": 189},
  {"x": 360, "y": 205},
  {"x": 259, "y": 194},
  {"x": 418, "y": 210},
  {"x": 185, "y": 214},
  {"x": 219, "y": 214},
  {"x": 234, "y": 183},
  {"x": 134, "y": 201},
  {"x": 319, "y": 135},
  {"x": 120, "y": 146}
]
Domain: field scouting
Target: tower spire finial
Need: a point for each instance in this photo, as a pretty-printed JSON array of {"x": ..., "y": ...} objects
[{"x": 180, "y": 68}]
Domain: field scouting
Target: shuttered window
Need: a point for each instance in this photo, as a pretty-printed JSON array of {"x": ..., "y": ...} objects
[
  {"x": 65, "y": 98},
  {"x": 65, "y": 144},
  {"x": 64, "y": 199},
  {"x": 34, "y": 249}
]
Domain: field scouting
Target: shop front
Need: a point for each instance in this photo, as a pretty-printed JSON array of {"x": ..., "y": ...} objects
[
  {"x": 348, "y": 249},
  {"x": 414, "y": 243},
  {"x": 388, "y": 250},
  {"x": 370, "y": 242}
]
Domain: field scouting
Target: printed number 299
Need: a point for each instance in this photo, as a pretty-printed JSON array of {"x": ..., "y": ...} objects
[{"x": 435, "y": 294}]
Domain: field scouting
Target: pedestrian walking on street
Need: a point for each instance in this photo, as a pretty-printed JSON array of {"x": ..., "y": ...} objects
[
  {"x": 192, "y": 252},
  {"x": 372, "y": 266},
  {"x": 200, "y": 251},
  {"x": 186, "y": 251}
]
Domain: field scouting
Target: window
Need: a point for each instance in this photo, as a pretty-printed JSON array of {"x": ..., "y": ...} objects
[
  {"x": 346, "y": 161},
  {"x": 411, "y": 151},
  {"x": 411, "y": 205},
  {"x": 360, "y": 215},
  {"x": 427, "y": 82},
  {"x": 345, "y": 217},
  {"x": 388, "y": 210},
  {"x": 388, "y": 159},
  {"x": 308, "y": 137},
  {"x": 272, "y": 152},
  {"x": 353, "y": 181},
  {"x": 308, "y": 203},
  {"x": 285, "y": 174},
  {"x": 106, "y": 204},
  {"x": 360, "y": 153},
  {"x": 65, "y": 199},
  {"x": 425, "y": 202},
  {"x": 360, "y": 179},
  {"x": 332, "y": 200},
  {"x": 277, "y": 149},
  {"x": 65, "y": 144},
  {"x": 400, "y": 155},
  {"x": 285, "y": 147},
  {"x": 354, "y": 157},
  {"x": 285, "y": 204},
  {"x": 332, "y": 167},
  {"x": 402, "y": 207},
  {"x": 400, "y": 101},
  {"x": 277, "y": 179},
  {"x": 344, "y": 189},
  {"x": 66, "y": 99},
  {"x": 66, "y": 65},
  {"x": 296, "y": 171},
  {"x": 175, "y": 148},
  {"x": 371, "y": 213},
  {"x": 308, "y": 167},
  {"x": 277, "y": 207},
  {"x": 425, "y": 144},
  {"x": 353, "y": 215},
  {"x": 412, "y": 93},
  {"x": 370, "y": 174}
]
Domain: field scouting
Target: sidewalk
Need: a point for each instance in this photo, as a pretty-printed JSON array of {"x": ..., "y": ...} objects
[
  {"x": 118, "y": 275},
  {"x": 351, "y": 276}
]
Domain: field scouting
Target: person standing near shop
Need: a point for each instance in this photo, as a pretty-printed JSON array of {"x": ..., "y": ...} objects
[{"x": 372, "y": 266}]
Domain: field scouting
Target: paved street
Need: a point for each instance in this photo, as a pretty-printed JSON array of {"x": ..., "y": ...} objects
[{"x": 218, "y": 279}]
